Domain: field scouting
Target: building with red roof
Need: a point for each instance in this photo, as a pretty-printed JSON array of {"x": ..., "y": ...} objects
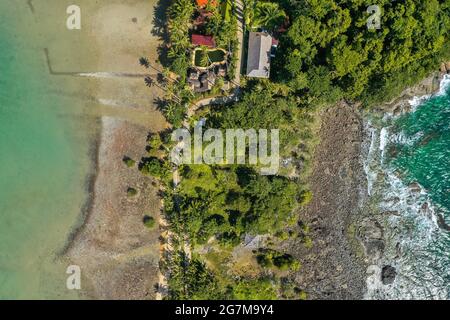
[
  {"x": 203, "y": 3},
  {"x": 201, "y": 40}
]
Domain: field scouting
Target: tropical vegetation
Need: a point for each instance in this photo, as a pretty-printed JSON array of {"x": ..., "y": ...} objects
[{"x": 327, "y": 54}]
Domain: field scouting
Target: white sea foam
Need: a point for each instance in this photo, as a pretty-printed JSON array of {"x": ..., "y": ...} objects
[
  {"x": 414, "y": 243},
  {"x": 416, "y": 102},
  {"x": 371, "y": 175},
  {"x": 401, "y": 138},
  {"x": 444, "y": 85},
  {"x": 384, "y": 138},
  {"x": 410, "y": 234}
]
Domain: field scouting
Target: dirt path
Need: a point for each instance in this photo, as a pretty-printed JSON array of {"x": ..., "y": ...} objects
[
  {"x": 165, "y": 249},
  {"x": 168, "y": 235}
]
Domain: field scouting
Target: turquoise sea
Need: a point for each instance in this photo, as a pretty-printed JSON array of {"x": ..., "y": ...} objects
[
  {"x": 408, "y": 169},
  {"x": 44, "y": 159}
]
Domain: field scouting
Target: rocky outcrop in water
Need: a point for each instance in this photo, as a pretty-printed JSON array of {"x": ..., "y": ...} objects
[
  {"x": 401, "y": 105},
  {"x": 445, "y": 67},
  {"x": 370, "y": 234},
  {"x": 388, "y": 274}
]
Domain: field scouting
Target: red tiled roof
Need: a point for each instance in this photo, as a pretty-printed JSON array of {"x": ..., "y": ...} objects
[
  {"x": 200, "y": 40},
  {"x": 203, "y": 3}
]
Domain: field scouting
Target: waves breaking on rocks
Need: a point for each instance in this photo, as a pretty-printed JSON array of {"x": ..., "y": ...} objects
[{"x": 412, "y": 261}]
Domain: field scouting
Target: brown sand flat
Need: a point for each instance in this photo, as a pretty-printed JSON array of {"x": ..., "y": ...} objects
[{"x": 117, "y": 254}]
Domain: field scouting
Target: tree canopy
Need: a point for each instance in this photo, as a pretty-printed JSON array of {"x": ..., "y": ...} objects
[{"x": 330, "y": 40}]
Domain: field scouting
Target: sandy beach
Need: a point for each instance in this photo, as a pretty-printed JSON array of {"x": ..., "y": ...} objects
[{"x": 117, "y": 254}]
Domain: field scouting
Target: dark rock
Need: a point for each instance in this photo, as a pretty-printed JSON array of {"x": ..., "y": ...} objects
[
  {"x": 415, "y": 187},
  {"x": 388, "y": 274},
  {"x": 441, "y": 222},
  {"x": 397, "y": 111},
  {"x": 370, "y": 230},
  {"x": 392, "y": 213},
  {"x": 425, "y": 206},
  {"x": 374, "y": 248}
]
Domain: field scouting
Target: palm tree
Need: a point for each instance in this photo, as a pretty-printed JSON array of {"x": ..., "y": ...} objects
[
  {"x": 249, "y": 9},
  {"x": 268, "y": 15},
  {"x": 143, "y": 61},
  {"x": 204, "y": 57},
  {"x": 181, "y": 9},
  {"x": 179, "y": 36},
  {"x": 149, "y": 81}
]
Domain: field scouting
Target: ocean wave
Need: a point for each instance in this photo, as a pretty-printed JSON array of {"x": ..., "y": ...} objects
[
  {"x": 370, "y": 150},
  {"x": 384, "y": 139},
  {"x": 414, "y": 242},
  {"x": 444, "y": 85},
  {"x": 412, "y": 235}
]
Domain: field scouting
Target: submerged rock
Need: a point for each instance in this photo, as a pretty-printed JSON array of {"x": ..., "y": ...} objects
[
  {"x": 388, "y": 274},
  {"x": 415, "y": 187},
  {"x": 442, "y": 224}
]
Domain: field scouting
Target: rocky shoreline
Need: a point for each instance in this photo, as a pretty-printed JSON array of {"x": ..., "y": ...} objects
[
  {"x": 399, "y": 105},
  {"x": 331, "y": 268},
  {"x": 347, "y": 240}
]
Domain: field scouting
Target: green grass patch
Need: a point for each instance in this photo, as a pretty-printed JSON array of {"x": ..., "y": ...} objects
[{"x": 212, "y": 56}]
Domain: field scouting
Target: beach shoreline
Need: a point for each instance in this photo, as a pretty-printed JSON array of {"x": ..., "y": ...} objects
[
  {"x": 345, "y": 241},
  {"x": 119, "y": 256}
]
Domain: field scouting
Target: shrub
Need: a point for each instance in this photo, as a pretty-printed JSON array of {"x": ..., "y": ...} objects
[
  {"x": 154, "y": 143},
  {"x": 264, "y": 261},
  {"x": 129, "y": 162},
  {"x": 307, "y": 242},
  {"x": 149, "y": 222},
  {"x": 267, "y": 258},
  {"x": 152, "y": 167},
  {"x": 255, "y": 289},
  {"x": 283, "y": 262},
  {"x": 282, "y": 235},
  {"x": 229, "y": 239},
  {"x": 302, "y": 295},
  {"x": 131, "y": 192}
]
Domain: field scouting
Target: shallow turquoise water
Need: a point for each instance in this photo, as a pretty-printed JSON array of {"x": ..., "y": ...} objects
[{"x": 44, "y": 164}]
